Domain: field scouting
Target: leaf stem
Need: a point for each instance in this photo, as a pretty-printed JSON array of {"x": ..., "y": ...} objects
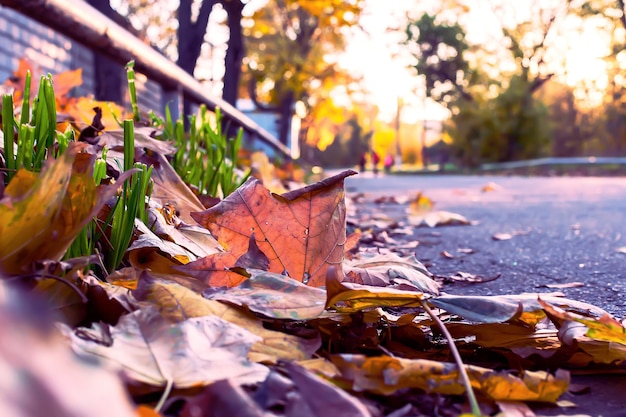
[
  {"x": 471, "y": 397},
  {"x": 166, "y": 393}
]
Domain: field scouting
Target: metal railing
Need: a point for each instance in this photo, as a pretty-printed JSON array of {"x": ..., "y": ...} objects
[{"x": 84, "y": 24}]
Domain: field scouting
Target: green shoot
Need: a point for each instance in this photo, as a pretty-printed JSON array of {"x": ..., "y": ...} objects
[
  {"x": 131, "y": 204},
  {"x": 206, "y": 157},
  {"x": 9, "y": 136},
  {"x": 26, "y": 100},
  {"x": 132, "y": 89}
]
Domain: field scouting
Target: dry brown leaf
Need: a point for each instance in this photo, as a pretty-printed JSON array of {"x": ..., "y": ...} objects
[
  {"x": 490, "y": 186},
  {"x": 151, "y": 350},
  {"x": 391, "y": 270},
  {"x": 302, "y": 232},
  {"x": 177, "y": 303},
  {"x": 275, "y": 296},
  {"x": 41, "y": 214},
  {"x": 438, "y": 218},
  {"x": 386, "y": 375},
  {"x": 565, "y": 285},
  {"x": 168, "y": 188},
  {"x": 502, "y": 236},
  {"x": 41, "y": 376}
]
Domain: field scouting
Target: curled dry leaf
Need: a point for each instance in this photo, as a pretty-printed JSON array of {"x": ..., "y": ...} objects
[
  {"x": 144, "y": 139},
  {"x": 151, "y": 350},
  {"x": 482, "y": 309},
  {"x": 438, "y": 218},
  {"x": 609, "y": 332},
  {"x": 385, "y": 375},
  {"x": 490, "y": 186},
  {"x": 391, "y": 270},
  {"x": 166, "y": 224},
  {"x": 168, "y": 188},
  {"x": 176, "y": 303},
  {"x": 302, "y": 232},
  {"x": 348, "y": 297},
  {"x": 41, "y": 214},
  {"x": 575, "y": 284},
  {"x": 502, "y": 236}
]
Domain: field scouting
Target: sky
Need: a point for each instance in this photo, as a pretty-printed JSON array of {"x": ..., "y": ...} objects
[
  {"x": 578, "y": 55},
  {"x": 373, "y": 53}
]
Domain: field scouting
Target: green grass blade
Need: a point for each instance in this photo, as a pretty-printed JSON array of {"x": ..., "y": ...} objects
[{"x": 9, "y": 135}]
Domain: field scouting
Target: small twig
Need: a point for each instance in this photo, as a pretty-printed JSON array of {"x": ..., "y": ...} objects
[
  {"x": 471, "y": 397},
  {"x": 82, "y": 296}
]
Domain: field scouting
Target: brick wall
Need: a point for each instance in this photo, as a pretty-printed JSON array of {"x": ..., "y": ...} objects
[{"x": 52, "y": 52}]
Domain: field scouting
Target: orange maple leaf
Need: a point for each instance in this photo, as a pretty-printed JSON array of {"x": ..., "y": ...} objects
[{"x": 301, "y": 232}]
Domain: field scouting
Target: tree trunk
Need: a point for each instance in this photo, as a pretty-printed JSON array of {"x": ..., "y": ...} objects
[
  {"x": 285, "y": 115},
  {"x": 234, "y": 53},
  {"x": 190, "y": 38}
]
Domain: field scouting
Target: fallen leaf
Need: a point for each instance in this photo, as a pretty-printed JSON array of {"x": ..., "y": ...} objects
[
  {"x": 226, "y": 270},
  {"x": 223, "y": 398},
  {"x": 438, "y": 218},
  {"x": 168, "y": 226},
  {"x": 316, "y": 396},
  {"x": 265, "y": 171},
  {"x": 194, "y": 352},
  {"x": 565, "y": 285},
  {"x": 167, "y": 186},
  {"x": 80, "y": 112},
  {"x": 65, "y": 81},
  {"x": 482, "y": 309},
  {"x": 420, "y": 204},
  {"x": 467, "y": 251},
  {"x": 348, "y": 297},
  {"x": 41, "y": 376},
  {"x": 605, "y": 328},
  {"x": 176, "y": 303},
  {"x": 490, "y": 186},
  {"x": 302, "y": 232},
  {"x": 41, "y": 214},
  {"x": 386, "y": 375},
  {"x": 391, "y": 270},
  {"x": 462, "y": 276},
  {"x": 508, "y": 236},
  {"x": 275, "y": 296}
]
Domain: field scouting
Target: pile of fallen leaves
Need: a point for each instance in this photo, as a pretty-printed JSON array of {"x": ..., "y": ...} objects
[{"x": 262, "y": 304}]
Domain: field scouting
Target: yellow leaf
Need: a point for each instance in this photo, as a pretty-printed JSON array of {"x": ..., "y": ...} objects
[
  {"x": 385, "y": 375},
  {"x": 41, "y": 214},
  {"x": 349, "y": 297}
]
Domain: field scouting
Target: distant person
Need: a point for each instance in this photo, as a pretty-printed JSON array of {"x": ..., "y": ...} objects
[
  {"x": 375, "y": 161},
  {"x": 363, "y": 161},
  {"x": 388, "y": 163}
]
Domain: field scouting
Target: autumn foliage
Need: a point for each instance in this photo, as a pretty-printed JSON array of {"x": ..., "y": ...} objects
[{"x": 265, "y": 305}]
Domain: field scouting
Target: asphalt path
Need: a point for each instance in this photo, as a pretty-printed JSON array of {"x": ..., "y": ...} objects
[{"x": 565, "y": 230}]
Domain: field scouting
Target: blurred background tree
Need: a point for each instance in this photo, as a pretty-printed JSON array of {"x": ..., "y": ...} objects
[
  {"x": 506, "y": 72},
  {"x": 293, "y": 51},
  {"x": 495, "y": 115}
]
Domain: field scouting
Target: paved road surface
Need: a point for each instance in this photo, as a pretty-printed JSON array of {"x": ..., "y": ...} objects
[{"x": 574, "y": 227}]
